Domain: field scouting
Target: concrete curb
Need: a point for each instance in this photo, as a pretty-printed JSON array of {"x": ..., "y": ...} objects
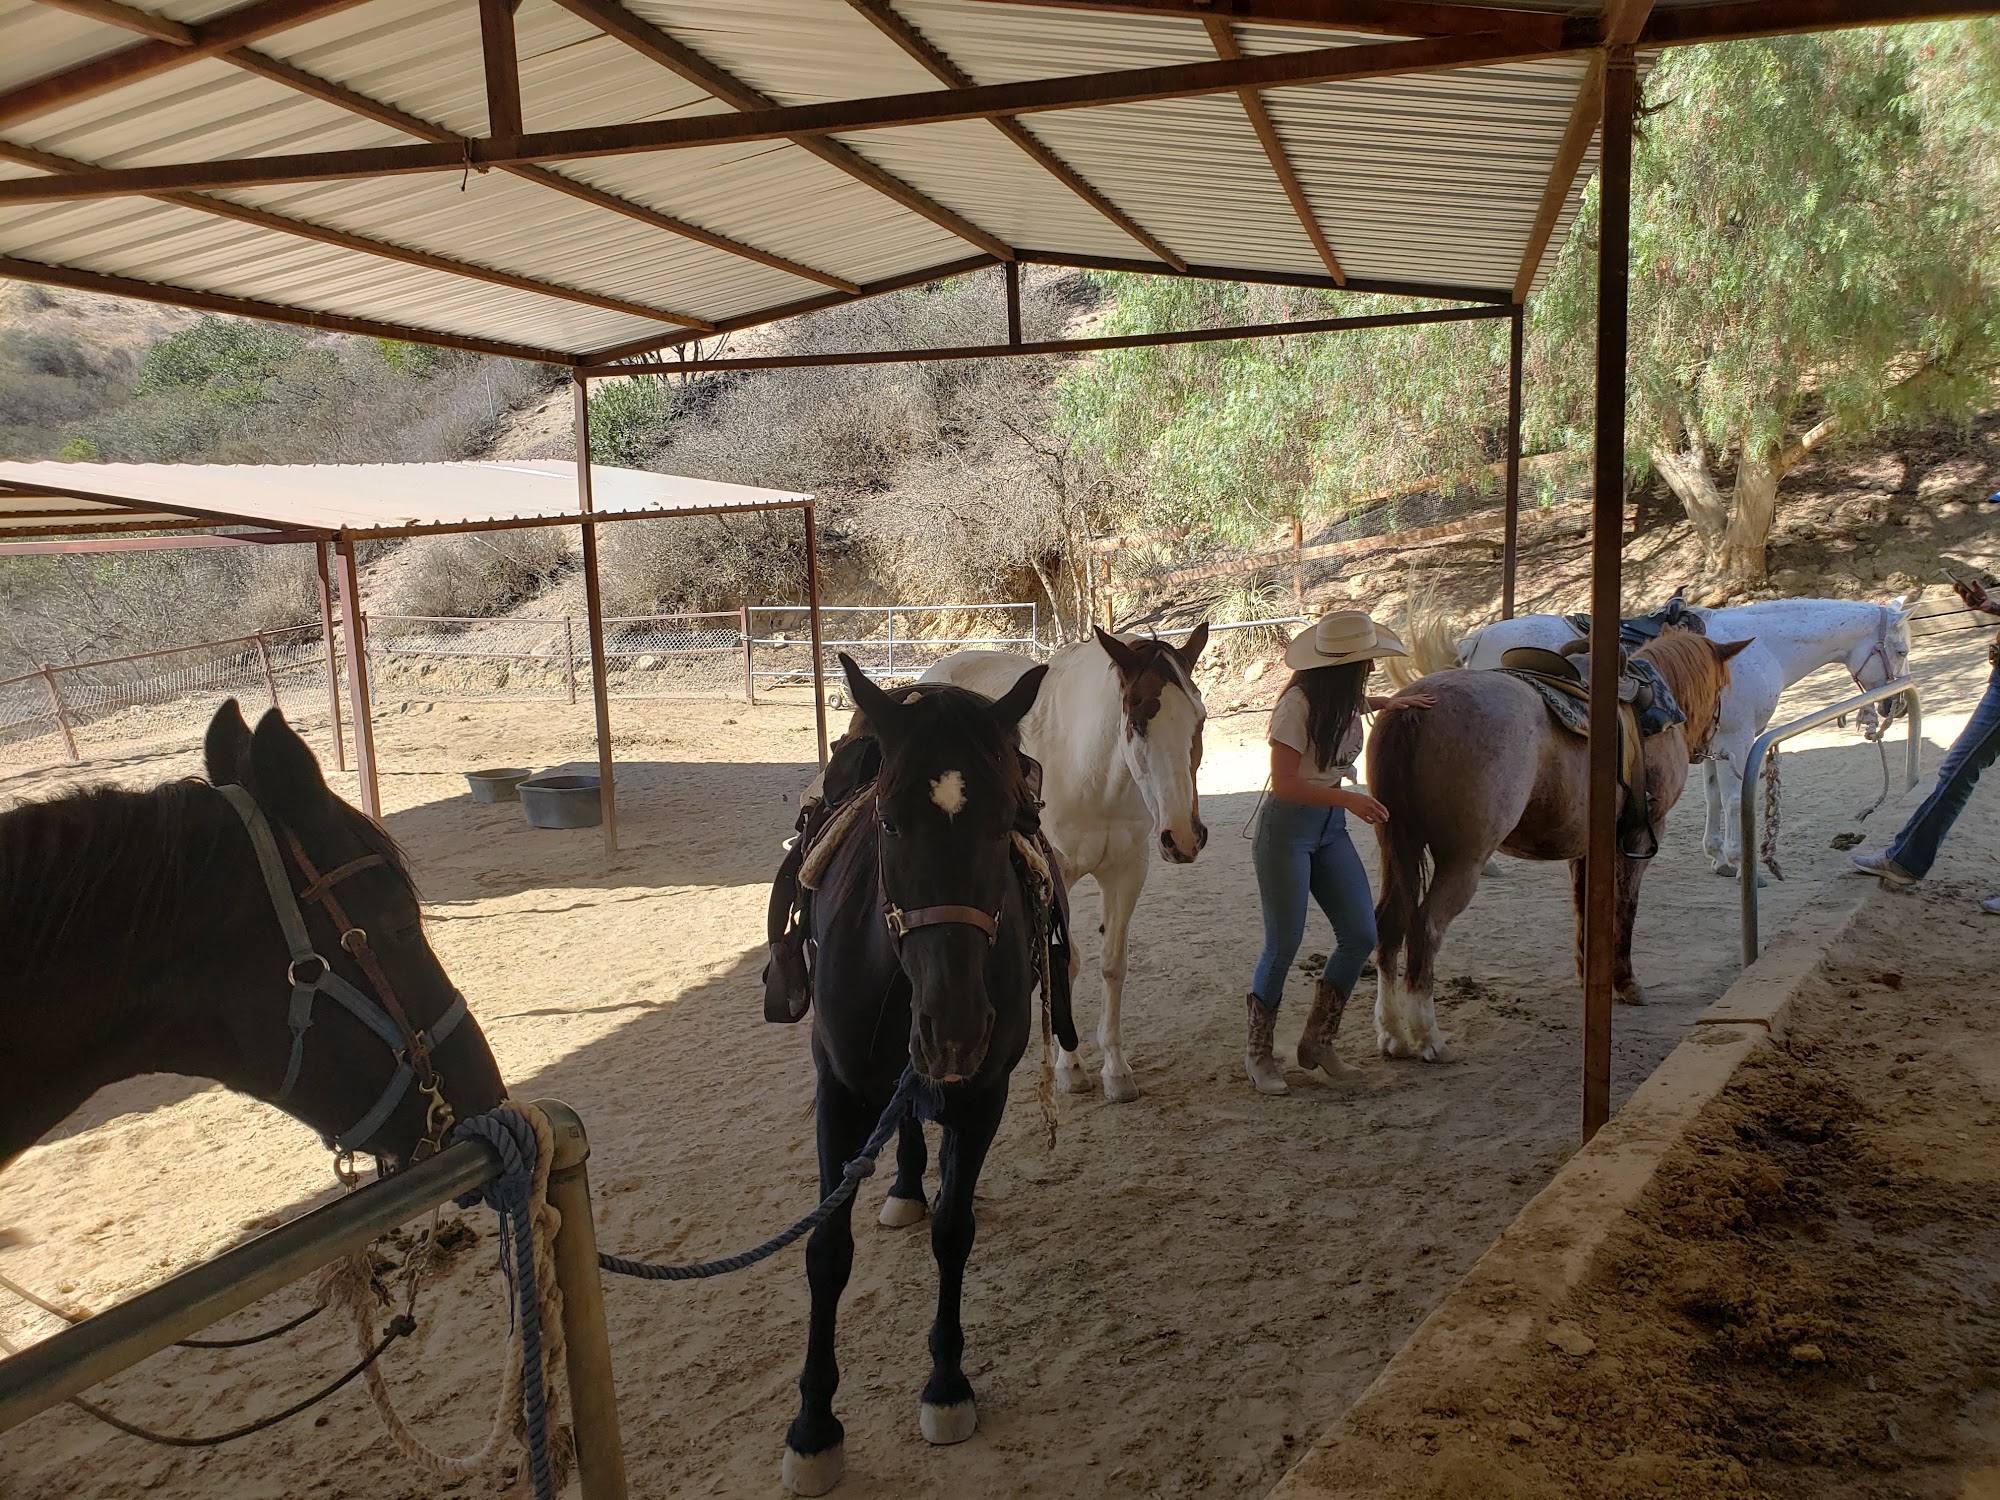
[{"x": 1501, "y": 1312}]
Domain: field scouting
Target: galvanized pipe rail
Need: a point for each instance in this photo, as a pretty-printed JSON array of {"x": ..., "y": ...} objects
[
  {"x": 70, "y": 1362},
  {"x": 1767, "y": 743}
]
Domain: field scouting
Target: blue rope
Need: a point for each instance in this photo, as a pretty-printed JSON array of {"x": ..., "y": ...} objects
[
  {"x": 910, "y": 1095},
  {"x": 511, "y": 1196}
]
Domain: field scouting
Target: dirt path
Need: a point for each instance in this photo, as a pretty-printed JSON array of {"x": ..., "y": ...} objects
[{"x": 1170, "y": 1302}]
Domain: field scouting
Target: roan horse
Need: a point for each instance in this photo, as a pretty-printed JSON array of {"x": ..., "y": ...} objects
[
  {"x": 1117, "y": 729},
  {"x": 1794, "y": 638},
  {"x": 1484, "y": 768},
  {"x": 925, "y": 962},
  {"x": 141, "y": 935}
]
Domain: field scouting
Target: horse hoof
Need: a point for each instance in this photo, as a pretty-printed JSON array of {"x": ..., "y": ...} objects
[
  {"x": 1437, "y": 1049},
  {"x": 1071, "y": 1079},
  {"x": 1390, "y": 1044},
  {"x": 1725, "y": 869},
  {"x": 1632, "y": 996},
  {"x": 949, "y": 1424},
  {"x": 815, "y": 1475},
  {"x": 1119, "y": 1088},
  {"x": 901, "y": 1213}
]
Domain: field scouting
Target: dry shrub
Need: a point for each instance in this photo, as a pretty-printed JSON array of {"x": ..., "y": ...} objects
[
  {"x": 697, "y": 564},
  {"x": 477, "y": 574}
]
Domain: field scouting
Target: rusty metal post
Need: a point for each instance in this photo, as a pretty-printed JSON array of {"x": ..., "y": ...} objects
[
  {"x": 749, "y": 655},
  {"x": 593, "y": 603},
  {"x": 812, "y": 607},
  {"x": 1511, "y": 554},
  {"x": 1600, "y": 902},
  {"x": 264, "y": 661},
  {"x": 1110, "y": 605},
  {"x": 600, "y": 1456},
  {"x": 569, "y": 653},
  {"x": 1298, "y": 566},
  {"x": 332, "y": 654},
  {"x": 1011, "y": 269},
  {"x": 357, "y": 679},
  {"x": 61, "y": 712}
]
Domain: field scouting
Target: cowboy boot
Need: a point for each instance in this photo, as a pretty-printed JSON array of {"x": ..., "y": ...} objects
[
  {"x": 1316, "y": 1042},
  {"x": 1257, "y": 1059}
]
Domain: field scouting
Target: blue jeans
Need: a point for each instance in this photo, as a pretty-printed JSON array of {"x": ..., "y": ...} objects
[
  {"x": 1976, "y": 748},
  {"x": 1303, "y": 851}
]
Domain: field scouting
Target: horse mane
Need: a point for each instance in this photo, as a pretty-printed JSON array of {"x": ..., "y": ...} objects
[
  {"x": 119, "y": 871},
  {"x": 1687, "y": 661}
]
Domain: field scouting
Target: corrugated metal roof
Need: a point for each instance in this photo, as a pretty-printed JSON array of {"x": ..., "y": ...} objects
[
  {"x": 358, "y": 500},
  {"x": 1433, "y": 179}
]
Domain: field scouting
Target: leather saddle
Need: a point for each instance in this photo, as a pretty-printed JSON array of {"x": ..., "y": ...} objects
[
  {"x": 1637, "y": 631},
  {"x": 1643, "y": 699}
]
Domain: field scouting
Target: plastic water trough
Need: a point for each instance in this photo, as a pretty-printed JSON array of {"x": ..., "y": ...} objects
[
  {"x": 498, "y": 785},
  {"x": 562, "y": 801}
]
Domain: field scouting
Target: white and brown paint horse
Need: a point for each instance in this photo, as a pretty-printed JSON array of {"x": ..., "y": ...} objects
[
  {"x": 1469, "y": 762},
  {"x": 1117, "y": 728}
]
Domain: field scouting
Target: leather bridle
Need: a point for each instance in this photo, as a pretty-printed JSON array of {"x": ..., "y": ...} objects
[
  {"x": 1880, "y": 649},
  {"x": 311, "y": 976},
  {"x": 903, "y": 922}
]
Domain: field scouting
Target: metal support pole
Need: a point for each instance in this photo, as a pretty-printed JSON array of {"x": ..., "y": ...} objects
[
  {"x": 270, "y": 677},
  {"x": 357, "y": 679},
  {"x": 812, "y": 606},
  {"x": 749, "y": 656},
  {"x": 332, "y": 653},
  {"x": 569, "y": 653},
  {"x": 600, "y": 1456},
  {"x": 61, "y": 713},
  {"x": 1601, "y": 872},
  {"x": 890, "y": 670},
  {"x": 1298, "y": 566},
  {"x": 593, "y": 602},
  {"x": 1511, "y": 553},
  {"x": 1011, "y": 269}
]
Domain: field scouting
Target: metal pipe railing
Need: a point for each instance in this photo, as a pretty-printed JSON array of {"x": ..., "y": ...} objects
[
  {"x": 1767, "y": 743},
  {"x": 70, "y": 1362}
]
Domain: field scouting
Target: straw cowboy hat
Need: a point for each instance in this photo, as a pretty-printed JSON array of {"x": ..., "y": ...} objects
[{"x": 1345, "y": 635}]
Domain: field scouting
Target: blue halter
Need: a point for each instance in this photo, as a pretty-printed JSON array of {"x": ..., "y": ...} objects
[{"x": 307, "y": 990}]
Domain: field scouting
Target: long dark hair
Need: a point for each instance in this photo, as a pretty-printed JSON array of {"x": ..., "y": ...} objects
[{"x": 1335, "y": 698}]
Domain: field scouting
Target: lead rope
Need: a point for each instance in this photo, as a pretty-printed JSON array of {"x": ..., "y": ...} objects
[{"x": 1767, "y": 849}]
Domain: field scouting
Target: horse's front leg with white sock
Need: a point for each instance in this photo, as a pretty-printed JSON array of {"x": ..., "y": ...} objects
[
  {"x": 949, "y": 1414},
  {"x": 1121, "y": 889}
]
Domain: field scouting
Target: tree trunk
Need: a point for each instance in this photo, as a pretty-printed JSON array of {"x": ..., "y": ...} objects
[
  {"x": 1687, "y": 475},
  {"x": 1754, "y": 506}
]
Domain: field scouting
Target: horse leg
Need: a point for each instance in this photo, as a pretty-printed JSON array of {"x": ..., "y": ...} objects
[
  {"x": 1121, "y": 894},
  {"x": 1577, "y": 901},
  {"x": 1624, "y": 983},
  {"x": 905, "y": 1204},
  {"x": 1729, "y": 790},
  {"x": 949, "y": 1414},
  {"x": 815, "y": 1458},
  {"x": 1711, "y": 835},
  {"x": 1391, "y": 929},
  {"x": 1451, "y": 891}
]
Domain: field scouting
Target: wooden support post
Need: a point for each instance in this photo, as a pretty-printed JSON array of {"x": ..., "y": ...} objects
[
  {"x": 357, "y": 679},
  {"x": 61, "y": 712},
  {"x": 1110, "y": 610},
  {"x": 812, "y": 607},
  {"x": 600, "y": 1457},
  {"x": 1600, "y": 905},
  {"x": 270, "y": 677},
  {"x": 749, "y": 656},
  {"x": 332, "y": 653},
  {"x": 593, "y": 603},
  {"x": 1511, "y": 550},
  {"x": 1012, "y": 270},
  {"x": 569, "y": 654}
]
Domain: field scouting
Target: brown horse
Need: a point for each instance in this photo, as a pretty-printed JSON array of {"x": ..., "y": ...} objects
[{"x": 1481, "y": 767}]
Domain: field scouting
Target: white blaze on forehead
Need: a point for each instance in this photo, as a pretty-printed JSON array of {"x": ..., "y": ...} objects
[{"x": 948, "y": 792}]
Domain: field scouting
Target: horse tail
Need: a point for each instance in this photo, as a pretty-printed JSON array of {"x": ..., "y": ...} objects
[
  {"x": 1431, "y": 632},
  {"x": 1404, "y": 841}
]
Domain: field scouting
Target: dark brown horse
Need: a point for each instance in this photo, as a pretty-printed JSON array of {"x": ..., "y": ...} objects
[
  {"x": 926, "y": 963},
  {"x": 140, "y": 933}
]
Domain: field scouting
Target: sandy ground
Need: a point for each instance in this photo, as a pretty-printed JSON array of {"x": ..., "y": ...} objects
[
  {"x": 1806, "y": 1303},
  {"x": 1170, "y": 1302}
]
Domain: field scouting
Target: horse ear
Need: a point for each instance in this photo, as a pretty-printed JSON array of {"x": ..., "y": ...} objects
[
  {"x": 1192, "y": 650},
  {"x": 1123, "y": 657},
  {"x": 1724, "y": 652},
  {"x": 876, "y": 706},
  {"x": 282, "y": 770},
  {"x": 225, "y": 745},
  {"x": 1013, "y": 708}
]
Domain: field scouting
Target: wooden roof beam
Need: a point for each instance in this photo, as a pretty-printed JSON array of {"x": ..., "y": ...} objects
[
  {"x": 503, "y": 67},
  {"x": 684, "y": 132},
  {"x": 305, "y": 229},
  {"x": 1223, "y": 35},
  {"x": 129, "y": 18},
  {"x": 329, "y": 92},
  {"x": 235, "y": 28},
  {"x": 941, "y": 67},
  {"x": 648, "y": 40},
  {"x": 1383, "y": 17}
]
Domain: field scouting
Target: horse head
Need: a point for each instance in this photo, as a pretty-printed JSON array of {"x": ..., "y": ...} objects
[
  {"x": 1882, "y": 655},
  {"x": 1163, "y": 715},
  {"x": 374, "y": 1050},
  {"x": 947, "y": 800}
]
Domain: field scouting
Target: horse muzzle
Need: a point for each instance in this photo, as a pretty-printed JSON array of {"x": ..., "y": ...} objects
[
  {"x": 941, "y": 1053},
  {"x": 1171, "y": 850}
]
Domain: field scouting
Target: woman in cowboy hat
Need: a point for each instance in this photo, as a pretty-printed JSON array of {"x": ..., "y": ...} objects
[{"x": 1302, "y": 847}]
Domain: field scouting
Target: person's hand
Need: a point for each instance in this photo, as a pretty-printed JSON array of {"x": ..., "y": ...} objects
[
  {"x": 1366, "y": 808},
  {"x": 1975, "y": 596}
]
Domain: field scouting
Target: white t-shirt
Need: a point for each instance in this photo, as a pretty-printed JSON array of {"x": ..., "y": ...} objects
[{"x": 1288, "y": 728}]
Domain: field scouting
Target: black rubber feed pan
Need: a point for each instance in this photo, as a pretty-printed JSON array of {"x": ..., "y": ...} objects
[
  {"x": 561, "y": 801},
  {"x": 500, "y": 784}
]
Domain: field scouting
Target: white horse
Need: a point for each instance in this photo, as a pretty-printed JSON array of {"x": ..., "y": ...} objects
[
  {"x": 1790, "y": 639},
  {"x": 1117, "y": 728}
]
